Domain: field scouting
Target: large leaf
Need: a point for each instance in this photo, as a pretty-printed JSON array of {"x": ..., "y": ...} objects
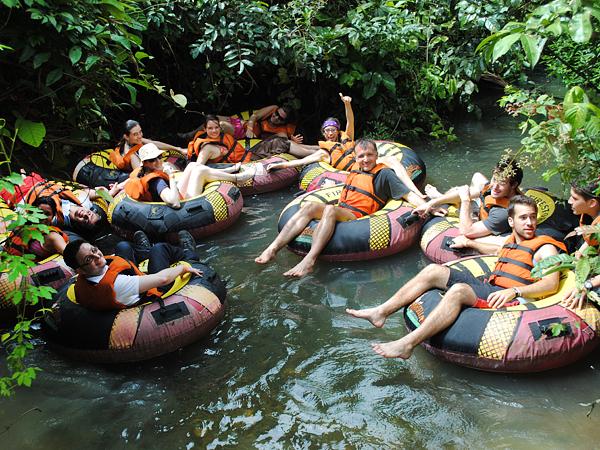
[
  {"x": 31, "y": 133},
  {"x": 53, "y": 76},
  {"x": 180, "y": 99},
  {"x": 575, "y": 95},
  {"x": 75, "y": 54},
  {"x": 533, "y": 47},
  {"x": 10, "y": 3},
  {"x": 580, "y": 27},
  {"x": 577, "y": 115},
  {"x": 504, "y": 45}
]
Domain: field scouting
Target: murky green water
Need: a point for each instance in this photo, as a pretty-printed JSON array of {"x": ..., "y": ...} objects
[{"x": 288, "y": 369}]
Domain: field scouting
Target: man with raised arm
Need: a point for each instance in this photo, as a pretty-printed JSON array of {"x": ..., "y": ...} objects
[
  {"x": 368, "y": 188},
  {"x": 510, "y": 279}
]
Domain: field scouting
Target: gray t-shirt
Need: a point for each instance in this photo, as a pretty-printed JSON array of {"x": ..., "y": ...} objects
[
  {"x": 497, "y": 221},
  {"x": 388, "y": 186}
]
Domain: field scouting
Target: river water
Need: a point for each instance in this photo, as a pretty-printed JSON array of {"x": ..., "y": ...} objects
[{"x": 288, "y": 368}]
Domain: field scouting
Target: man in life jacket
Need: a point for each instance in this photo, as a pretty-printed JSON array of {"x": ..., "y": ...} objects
[
  {"x": 585, "y": 203},
  {"x": 115, "y": 282},
  {"x": 510, "y": 280},
  {"x": 368, "y": 188},
  {"x": 493, "y": 199}
]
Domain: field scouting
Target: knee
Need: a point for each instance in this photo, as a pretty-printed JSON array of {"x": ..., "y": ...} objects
[
  {"x": 433, "y": 270},
  {"x": 328, "y": 212},
  {"x": 159, "y": 248},
  {"x": 459, "y": 291},
  {"x": 308, "y": 208},
  {"x": 123, "y": 248}
]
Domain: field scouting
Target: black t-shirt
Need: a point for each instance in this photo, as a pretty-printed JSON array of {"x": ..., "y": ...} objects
[
  {"x": 156, "y": 186},
  {"x": 388, "y": 186}
]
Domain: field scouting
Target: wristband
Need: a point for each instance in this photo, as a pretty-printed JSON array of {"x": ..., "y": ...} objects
[{"x": 517, "y": 292}]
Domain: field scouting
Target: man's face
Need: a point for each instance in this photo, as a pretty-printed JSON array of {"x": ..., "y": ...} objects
[
  {"x": 500, "y": 188},
  {"x": 366, "y": 157},
  {"x": 580, "y": 205},
  {"x": 524, "y": 221},
  {"x": 90, "y": 259},
  {"x": 46, "y": 209},
  {"x": 279, "y": 117},
  {"x": 84, "y": 217}
]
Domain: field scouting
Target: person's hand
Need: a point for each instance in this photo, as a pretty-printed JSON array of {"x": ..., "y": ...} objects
[
  {"x": 499, "y": 298},
  {"x": 423, "y": 209},
  {"x": 460, "y": 241},
  {"x": 574, "y": 299},
  {"x": 249, "y": 133},
  {"x": 297, "y": 138},
  {"x": 464, "y": 194},
  {"x": 328, "y": 183},
  {"x": 274, "y": 166},
  {"x": 346, "y": 99},
  {"x": 191, "y": 270}
]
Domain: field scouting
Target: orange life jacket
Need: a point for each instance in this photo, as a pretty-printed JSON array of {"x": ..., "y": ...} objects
[
  {"x": 340, "y": 157},
  {"x": 21, "y": 190},
  {"x": 358, "y": 194},
  {"x": 56, "y": 192},
  {"x": 101, "y": 296},
  {"x": 231, "y": 150},
  {"x": 488, "y": 202},
  {"x": 591, "y": 241},
  {"x": 515, "y": 261},
  {"x": 263, "y": 128},
  {"x": 138, "y": 188},
  {"x": 14, "y": 245},
  {"x": 122, "y": 159}
]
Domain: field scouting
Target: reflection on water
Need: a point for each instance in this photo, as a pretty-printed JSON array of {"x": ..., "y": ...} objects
[{"x": 288, "y": 369}]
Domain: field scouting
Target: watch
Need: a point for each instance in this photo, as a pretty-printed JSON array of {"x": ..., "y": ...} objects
[{"x": 588, "y": 285}]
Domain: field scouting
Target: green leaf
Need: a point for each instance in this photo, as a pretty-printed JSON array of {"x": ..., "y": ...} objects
[
  {"x": 31, "y": 133},
  {"x": 533, "y": 47},
  {"x": 53, "y": 76},
  {"x": 40, "y": 58},
  {"x": 503, "y": 45},
  {"x": 132, "y": 93},
  {"x": 180, "y": 99},
  {"x": 11, "y": 3},
  {"x": 575, "y": 95},
  {"x": 75, "y": 54},
  {"x": 90, "y": 61},
  {"x": 580, "y": 27},
  {"x": 141, "y": 55},
  {"x": 388, "y": 82},
  {"x": 121, "y": 40}
]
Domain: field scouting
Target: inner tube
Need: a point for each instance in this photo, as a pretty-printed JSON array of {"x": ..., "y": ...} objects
[
  {"x": 97, "y": 169},
  {"x": 315, "y": 175},
  {"x": 530, "y": 337},
  {"x": 386, "y": 232},
  {"x": 264, "y": 181},
  {"x": 186, "y": 313},
  {"x": 52, "y": 272},
  {"x": 217, "y": 208},
  {"x": 555, "y": 218}
]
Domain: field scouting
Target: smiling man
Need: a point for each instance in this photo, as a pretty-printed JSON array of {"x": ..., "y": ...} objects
[
  {"x": 510, "y": 279},
  {"x": 368, "y": 188},
  {"x": 493, "y": 201}
]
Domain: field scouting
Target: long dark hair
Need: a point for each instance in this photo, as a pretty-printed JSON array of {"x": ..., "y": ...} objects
[{"x": 129, "y": 125}]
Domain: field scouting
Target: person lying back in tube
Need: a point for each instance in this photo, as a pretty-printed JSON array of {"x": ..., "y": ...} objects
[
  {"x": 116, "y": 282},
  {"x": 493, "y": 198},
  {"x": 368, "y": 188},
  {"x": 125, "y": 156},
  {"x": 149, "y": 183}
]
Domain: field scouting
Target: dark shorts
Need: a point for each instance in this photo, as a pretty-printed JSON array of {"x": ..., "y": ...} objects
[
  {"x": 270, "y": 146},
  {"x": 481, "y": 287}
]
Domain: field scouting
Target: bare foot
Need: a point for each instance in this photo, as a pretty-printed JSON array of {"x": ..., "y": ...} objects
[
  {"x": 393, "y": 349},
  {"x": 373, "y": 315},
  {"x": 299, "y": 270},
  {"x": 267, "y": 255},
  {"x": 432, "y": 191}
]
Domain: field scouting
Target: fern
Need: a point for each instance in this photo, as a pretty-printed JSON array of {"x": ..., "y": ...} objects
[{"x": 553, "y": 264}]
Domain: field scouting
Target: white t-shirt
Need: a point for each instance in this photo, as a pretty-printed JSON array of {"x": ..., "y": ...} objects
[
  {"x": 84, "y": 198},
  {"x": 127, "y": 287}
]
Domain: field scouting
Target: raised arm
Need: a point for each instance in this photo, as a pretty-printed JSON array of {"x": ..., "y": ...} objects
[
  {"x": 164, "y": 146},
  {"x": 349, "y": 115}
]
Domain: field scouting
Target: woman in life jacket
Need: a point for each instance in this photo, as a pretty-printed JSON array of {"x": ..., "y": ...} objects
[
  {"x": 54, "y": 241},
  {"x": 150, "y": 183},
  {"x": 338, "y": 149},
  {"x": 125, "y": 156},
  {"x": 213, "y": 145}
]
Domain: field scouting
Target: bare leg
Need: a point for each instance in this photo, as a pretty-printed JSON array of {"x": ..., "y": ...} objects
[
  {"x": 444, "y": 314},
  {"x": 432, "y": 192},
  {"x": 329, "y": 218},
  {"x": 198, "y": 175},
  {"x": 293, "y": 228},
  {"x": 432, "y": 276},
  {"x": 400, "y": 170},
  {"x": 302, "y": 150}
]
